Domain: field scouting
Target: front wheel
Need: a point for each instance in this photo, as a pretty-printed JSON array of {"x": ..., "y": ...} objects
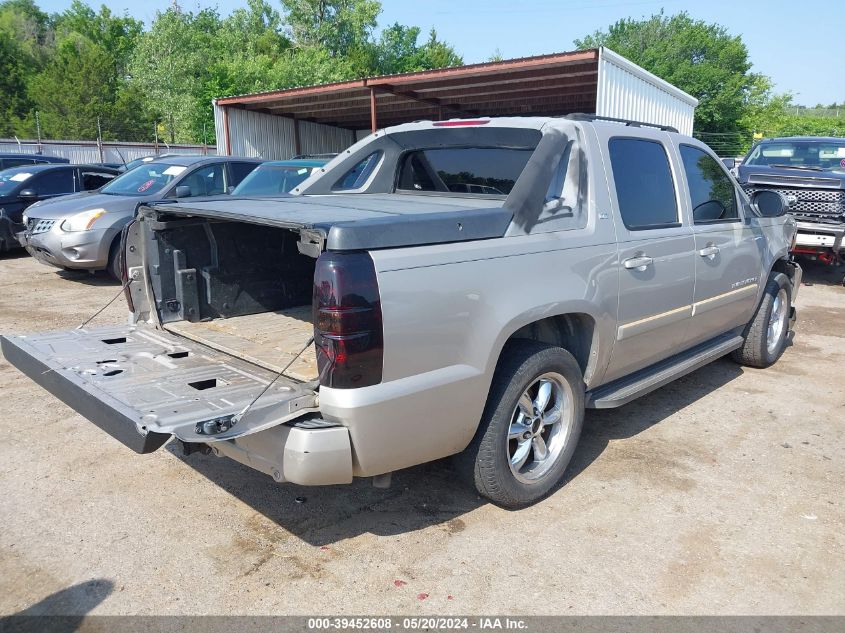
[
  {"x": 530, "y": 426},
  {"x": 113, "y": 266},
  {"x": 767, "y": 333}
]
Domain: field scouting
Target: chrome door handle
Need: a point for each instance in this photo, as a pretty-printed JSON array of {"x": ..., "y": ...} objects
[
  {"x": 638, "y": 263},
  {"x": 711, "y": 250}
]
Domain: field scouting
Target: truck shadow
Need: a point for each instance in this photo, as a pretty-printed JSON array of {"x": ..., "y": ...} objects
[
  {"x": 418, "y": 497},
  {"x": 601, "y": 426},
  {"x": 431, "y": 494}
]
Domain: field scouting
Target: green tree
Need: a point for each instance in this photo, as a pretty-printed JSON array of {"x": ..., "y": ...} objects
[
  {"x": 342, "y": 27},
  {"x": 25, "y": 44},
  {"x": 14, "y": 102},
  {"x": 117, "y": 35},
  {"x": 70, "y": 92},
  {"x": 700, "y": 58},
  {"x": 397, "y": 51},
  {"x": 171, "y": 65}
]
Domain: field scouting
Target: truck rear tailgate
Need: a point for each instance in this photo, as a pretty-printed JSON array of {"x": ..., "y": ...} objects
[{"x": 143, "y": 385}]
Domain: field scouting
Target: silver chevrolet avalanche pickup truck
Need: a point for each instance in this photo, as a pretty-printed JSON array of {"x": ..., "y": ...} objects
[{"x": 462, "y": 287}]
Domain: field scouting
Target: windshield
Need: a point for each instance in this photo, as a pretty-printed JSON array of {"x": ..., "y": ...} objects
[
  {"x": 478, "y": 171},
  {"x": 11, "y": 178},
  {"x": 145, "y": 180},
  {"x": 132, "y": 164},
  {"x": 814, "y": 155},
  {"x": 271, "y": 180}
]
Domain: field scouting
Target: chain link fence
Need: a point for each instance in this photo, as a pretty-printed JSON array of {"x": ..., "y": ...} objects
[
  {"x": 112, "y": 140},
  {"x": 106, "y": 142}
]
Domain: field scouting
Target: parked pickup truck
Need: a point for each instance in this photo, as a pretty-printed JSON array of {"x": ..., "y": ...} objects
[
  {"x": 388, "y": 313},
  {"x": 810, "y": 172}
]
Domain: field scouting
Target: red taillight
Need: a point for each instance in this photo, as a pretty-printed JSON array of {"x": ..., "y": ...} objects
[
  {"x": 347, "y": 321},
  {"x": 460, "y": 123}
]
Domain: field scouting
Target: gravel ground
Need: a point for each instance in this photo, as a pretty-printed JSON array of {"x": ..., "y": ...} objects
[{"x": 721, "y": 493}]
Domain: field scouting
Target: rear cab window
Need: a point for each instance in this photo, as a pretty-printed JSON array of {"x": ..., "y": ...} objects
[
  {"x": 645, "y": 188},
  {"x": 476, "y": 171}
]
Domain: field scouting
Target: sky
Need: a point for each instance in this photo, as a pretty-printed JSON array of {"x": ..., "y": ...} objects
[{"x": 796, "y": 43}]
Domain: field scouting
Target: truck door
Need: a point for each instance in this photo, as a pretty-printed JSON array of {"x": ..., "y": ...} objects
[
  {"x": 727, "y": 256},
  {"x": 656, "y": 251}
]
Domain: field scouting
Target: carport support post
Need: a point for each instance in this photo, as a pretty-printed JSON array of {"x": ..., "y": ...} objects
[
  {"x": 373, "y": 118},
  {"x": 297, "y": 144}
]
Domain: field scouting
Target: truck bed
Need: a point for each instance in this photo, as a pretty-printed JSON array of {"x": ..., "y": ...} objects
[
  {"x": 362, "y": 221},
  {"x": 267, "y": 339}
]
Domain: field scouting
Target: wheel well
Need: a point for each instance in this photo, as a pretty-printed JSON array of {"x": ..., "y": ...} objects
[
  {"x": 781, "y": 266},
  {"x": 573, "y": 332}
]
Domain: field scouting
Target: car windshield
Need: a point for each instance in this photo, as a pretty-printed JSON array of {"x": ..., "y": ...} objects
[
  {"x": 145, "y": 180},
  {"x": 814, "y": 155},
  {"x": 11, "y": 178},
  {"x": 271, "y": 180},
  {"x": 132, "y": 164},
  {"x": 478, "y": 171}
]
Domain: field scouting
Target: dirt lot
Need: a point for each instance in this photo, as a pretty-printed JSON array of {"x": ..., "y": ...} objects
[{"x": 719, "y": 494}]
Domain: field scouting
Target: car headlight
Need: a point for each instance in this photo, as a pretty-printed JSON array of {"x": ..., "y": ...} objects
[
  {"x": 24, "y": 218},
  {"x": 82, "y": 221}
]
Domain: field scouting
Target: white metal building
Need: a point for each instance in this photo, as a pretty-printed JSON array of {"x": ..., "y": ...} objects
[{"x": 330, "y": 117}]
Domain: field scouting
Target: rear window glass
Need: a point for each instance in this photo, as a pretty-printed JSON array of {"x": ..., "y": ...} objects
[
  {"x": 271, "y": 180},
  {"x": 356, "y": 177},
  {"x": 644, "y": 186},
  {"x": 478, "y": 171}
]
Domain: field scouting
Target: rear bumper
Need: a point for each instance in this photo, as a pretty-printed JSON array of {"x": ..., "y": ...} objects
[{"x": 305, "y": 456}]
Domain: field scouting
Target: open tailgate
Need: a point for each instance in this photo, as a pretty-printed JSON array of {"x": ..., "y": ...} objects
[{"x": 143, "y": 385}]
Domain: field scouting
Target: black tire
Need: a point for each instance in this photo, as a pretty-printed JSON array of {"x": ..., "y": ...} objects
[
  {"x": 113, "y": 267},
  {"x": 756, "y": 351},
  {"x": 487, "y": 460}
]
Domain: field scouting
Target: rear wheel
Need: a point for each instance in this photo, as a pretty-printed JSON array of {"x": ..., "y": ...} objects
[
  {"x": 767, "y": 333},
  {"x": 530, "y": 427}
]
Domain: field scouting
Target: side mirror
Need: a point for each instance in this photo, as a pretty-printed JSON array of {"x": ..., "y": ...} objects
[
  {"x": 183, "y": 191},
  {"x": 769, "y": 204},
  {"x": 729, "y": 163},
  {"x": 27, "y": 194}
]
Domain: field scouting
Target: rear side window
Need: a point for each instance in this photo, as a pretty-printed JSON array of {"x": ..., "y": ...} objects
[
  {"x": 479, "y": 171},
  {"x": 94, "y": 179},
  {"x": 239, "y": 171},
  {"x": 357, "y": 177},
  {"x": 711, "y": 191},
  {"x": 53, "y": 183},
  {"x": 644, "y": 186}
]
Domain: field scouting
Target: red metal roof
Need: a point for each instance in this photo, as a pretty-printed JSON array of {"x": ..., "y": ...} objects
[{"x": 547, "y": 84}]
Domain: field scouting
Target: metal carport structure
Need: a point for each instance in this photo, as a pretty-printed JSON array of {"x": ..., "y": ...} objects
[{"x": 330, "y": 117}]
